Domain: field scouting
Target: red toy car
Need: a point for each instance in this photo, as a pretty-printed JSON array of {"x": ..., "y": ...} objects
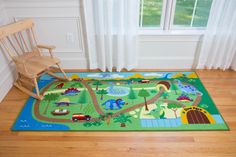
[{"x": 80, "y": 116}]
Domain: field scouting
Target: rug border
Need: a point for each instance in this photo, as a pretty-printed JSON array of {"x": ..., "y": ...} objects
[{"x": 228, "y": 128}]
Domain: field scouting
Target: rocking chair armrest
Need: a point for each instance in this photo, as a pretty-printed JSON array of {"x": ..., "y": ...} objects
[{"x": 49, "y": 47}]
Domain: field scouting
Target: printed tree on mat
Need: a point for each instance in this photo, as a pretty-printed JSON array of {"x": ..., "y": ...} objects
[
  {"x": 50, "y": 97},
  {"x": 165, "y": 95},
  {"x": 97, "y": 83},
  {"x": 102, "y": 93},
  {"x": 174, "y": 108},
  {"x": 122, "y": 119},
  {"x": 174, "y": 87},
  {"x": 132, "y": 95},
  {"x": 107, "y": 117},
  {"x": 144, "y": 93},
  {"x": 83, "y": 98}
]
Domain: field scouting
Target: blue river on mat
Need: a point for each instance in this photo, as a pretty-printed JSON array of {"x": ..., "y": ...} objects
[{"x": 25, "y": 120}]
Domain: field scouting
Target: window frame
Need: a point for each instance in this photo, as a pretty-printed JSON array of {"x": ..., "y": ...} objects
[{"x": 167, "y": 20}]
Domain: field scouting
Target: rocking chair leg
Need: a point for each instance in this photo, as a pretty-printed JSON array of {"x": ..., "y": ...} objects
[
  {"x": 36, "y": 86},
  {"x": 66, "y": 77},
  {"x": 25, "y": 90}
]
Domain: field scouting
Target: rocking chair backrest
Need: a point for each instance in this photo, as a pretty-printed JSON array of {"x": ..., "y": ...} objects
[{"x": 18, "y": 38}]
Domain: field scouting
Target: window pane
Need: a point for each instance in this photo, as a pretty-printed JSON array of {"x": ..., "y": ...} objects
[
  {"x": 202, "y": 13},
  {"x": 183, "y": 12},
  {"x": 150, "y": 13},
  {"x": 192, "y": 13}
]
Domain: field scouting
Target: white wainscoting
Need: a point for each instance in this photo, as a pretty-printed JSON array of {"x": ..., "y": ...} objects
[{"x": 168, "y": 51}]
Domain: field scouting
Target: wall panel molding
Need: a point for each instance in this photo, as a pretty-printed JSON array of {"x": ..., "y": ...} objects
[
  {"x": 42, "y": 8},
  {"x": 58, "y": 22},
  {"x": 42, "y": 3}
]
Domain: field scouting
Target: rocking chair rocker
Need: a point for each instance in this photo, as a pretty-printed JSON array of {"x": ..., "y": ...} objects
[{"x": 19, "y": 41}]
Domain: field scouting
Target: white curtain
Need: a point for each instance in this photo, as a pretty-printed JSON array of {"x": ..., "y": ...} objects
[
  {"x": 111, "y": 30},
  {"x": 219, "y": 43}
]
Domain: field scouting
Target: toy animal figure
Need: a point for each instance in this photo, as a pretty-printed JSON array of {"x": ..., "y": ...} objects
[
  {"x": 71, "y": 91},
  {"x": 63, "y": 103},
  {"x": 113, "y": 104},
  {"x": 184, "y": 98},
  {"x": 188, "y": 89},
  {"x": 60, "y": 85}
]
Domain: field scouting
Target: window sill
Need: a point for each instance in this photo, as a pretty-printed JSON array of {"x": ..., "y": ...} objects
[{"x": 171, "y": 33}]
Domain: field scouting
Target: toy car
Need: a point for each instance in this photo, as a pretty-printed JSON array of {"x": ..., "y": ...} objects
[{"x": 80, "y": 116}]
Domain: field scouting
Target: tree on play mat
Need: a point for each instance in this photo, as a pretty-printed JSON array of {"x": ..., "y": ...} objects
[
  {"x": 165, "y": 95},
  {"x": 97, "y": 83},
  {"x": 122, "y": 119},
  {"x": 174, "y": 87},
  {"x": 50, "y": 97},
  {"x": 174, "y": 108},
  {"x": 132, "y": 95},
  {"x": 144, "y": 93},
  {"x": 102, "y": 93},
  {"x": 83, "y": 98},
  {"x": 107, "y": 117}
]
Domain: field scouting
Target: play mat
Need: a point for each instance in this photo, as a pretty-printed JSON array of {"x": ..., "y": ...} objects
[{"x": 124, "y": 101}]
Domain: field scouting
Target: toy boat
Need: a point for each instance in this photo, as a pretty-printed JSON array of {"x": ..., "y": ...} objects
[{"x": 59, "y": 112}]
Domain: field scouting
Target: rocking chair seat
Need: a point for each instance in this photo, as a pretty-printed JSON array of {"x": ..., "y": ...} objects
[{"x": 38, "y": 64}]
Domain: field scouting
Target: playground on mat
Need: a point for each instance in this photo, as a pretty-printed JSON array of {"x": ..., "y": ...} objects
[{"x": 124, "y": 101}]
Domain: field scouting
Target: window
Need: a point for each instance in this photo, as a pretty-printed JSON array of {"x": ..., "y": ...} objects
[
  {"x": 151, "y": 11},
  {"x": 174, "y": 14}
]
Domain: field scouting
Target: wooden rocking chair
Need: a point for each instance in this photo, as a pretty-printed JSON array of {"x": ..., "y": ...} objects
[{"x": 20, "y": 42}]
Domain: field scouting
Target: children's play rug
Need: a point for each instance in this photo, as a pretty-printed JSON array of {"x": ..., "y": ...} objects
[{"x": 125, "y": 101}]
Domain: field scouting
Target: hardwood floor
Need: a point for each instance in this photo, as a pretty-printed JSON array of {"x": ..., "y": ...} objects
[{"x": 221, "y": 86}]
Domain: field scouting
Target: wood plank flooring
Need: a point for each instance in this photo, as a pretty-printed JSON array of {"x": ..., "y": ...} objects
[{"x": 221, "y": 86}]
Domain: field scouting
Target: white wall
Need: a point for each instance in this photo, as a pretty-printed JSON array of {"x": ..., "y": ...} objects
[{"x": 6, "y": 69}]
